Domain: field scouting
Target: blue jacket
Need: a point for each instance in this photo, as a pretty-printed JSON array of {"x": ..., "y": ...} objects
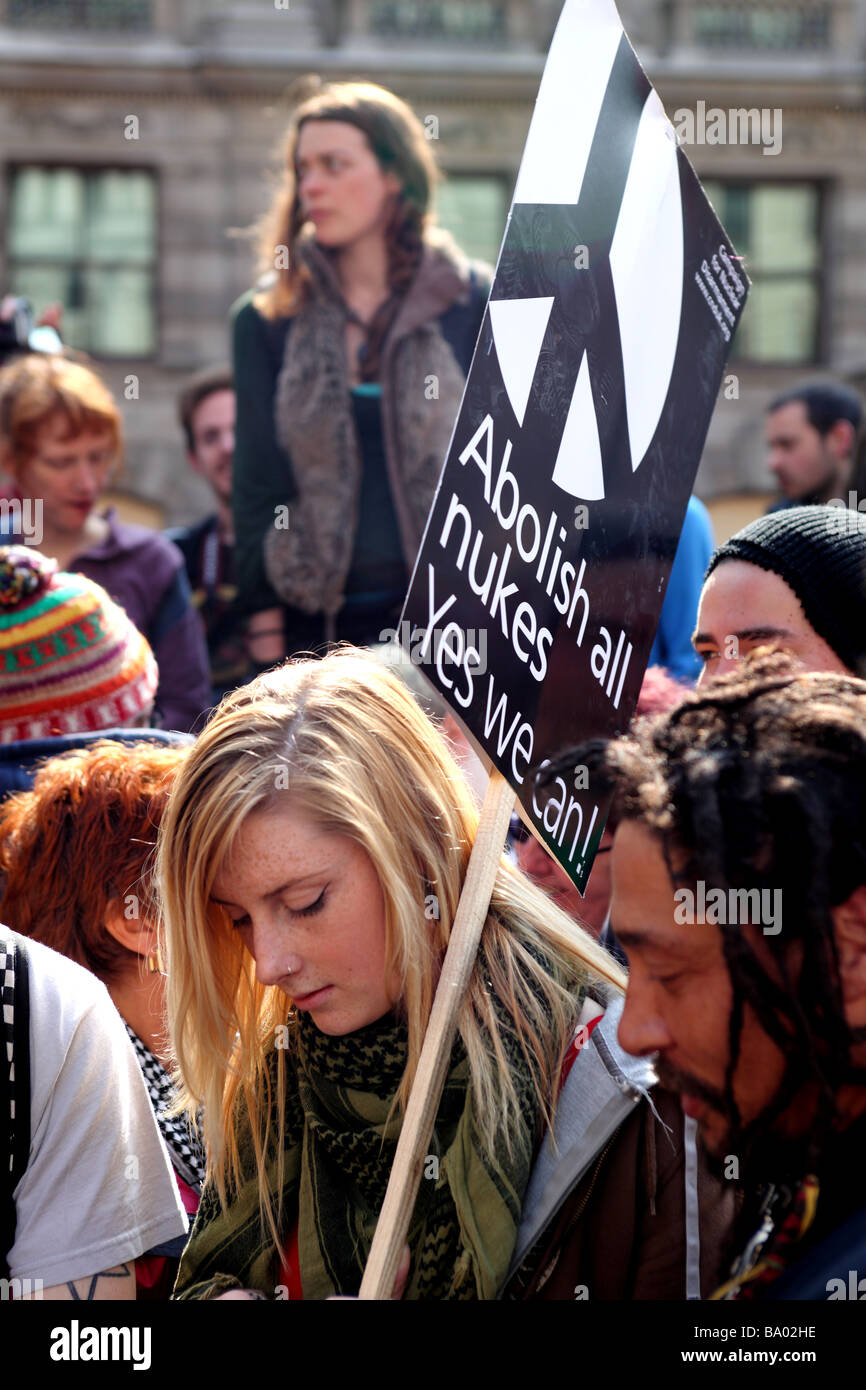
[
  {"x": 672, "y": 647},
  {"x": 19, "y": 762}
]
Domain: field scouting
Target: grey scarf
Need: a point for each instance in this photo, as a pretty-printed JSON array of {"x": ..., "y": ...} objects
[{"x": 307, "y": 561}]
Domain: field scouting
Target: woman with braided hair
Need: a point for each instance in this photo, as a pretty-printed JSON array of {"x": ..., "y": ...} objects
[
  {"x": 350, "y": 359},
  {"x": 311, "y": 860}
]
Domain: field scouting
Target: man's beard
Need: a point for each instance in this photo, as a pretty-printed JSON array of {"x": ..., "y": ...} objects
[
  {"x": 762, "y": 1153},
  {"x": 685, "y": 1084}
]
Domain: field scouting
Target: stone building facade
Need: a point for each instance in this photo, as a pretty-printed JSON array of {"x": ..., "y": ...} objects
[{"x": 138, "y": 135}]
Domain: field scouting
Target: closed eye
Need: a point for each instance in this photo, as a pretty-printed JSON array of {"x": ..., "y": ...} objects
[
  {"x": 241, "y": 923},
  {"x": 311, "y": 908},
  {"x": 667, "y": 981}
]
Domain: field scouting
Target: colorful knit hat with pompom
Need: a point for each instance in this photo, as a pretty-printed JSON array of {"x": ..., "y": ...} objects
[{"x": 70, "y": 659}]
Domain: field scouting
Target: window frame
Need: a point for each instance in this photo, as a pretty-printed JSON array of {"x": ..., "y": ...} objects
[
  {"x": 504, "y": 178},
  {"x": 819, "y": 276},
  {"x": 748, "y": 43},
  {"x": 445, "y": 35},
  {"x": 25, "y": 24},
  {"x": 89, "y": 171}
]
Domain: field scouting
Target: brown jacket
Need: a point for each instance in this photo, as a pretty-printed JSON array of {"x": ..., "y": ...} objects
[{"x": 621, "y": 1230}]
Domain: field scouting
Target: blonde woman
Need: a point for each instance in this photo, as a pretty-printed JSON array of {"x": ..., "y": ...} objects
[{"x": 311, "y": 859}]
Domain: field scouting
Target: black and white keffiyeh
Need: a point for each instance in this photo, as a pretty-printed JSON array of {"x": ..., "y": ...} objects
[{"x": 184, "y": 1148}]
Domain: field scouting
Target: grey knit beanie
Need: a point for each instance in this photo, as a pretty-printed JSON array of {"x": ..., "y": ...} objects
[{"x": 820, "y": 552}]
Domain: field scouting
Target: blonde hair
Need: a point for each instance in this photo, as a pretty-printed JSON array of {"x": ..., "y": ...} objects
[
  {"x": 351, "y": 746},
  {"x": 35, "y": 390}
]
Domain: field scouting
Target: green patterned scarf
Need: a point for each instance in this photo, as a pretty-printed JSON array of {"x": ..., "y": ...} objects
[{"x": 339, "y": 1147}]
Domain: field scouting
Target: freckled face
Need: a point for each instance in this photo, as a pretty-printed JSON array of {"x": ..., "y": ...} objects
[{"x": 310, "y": 909}]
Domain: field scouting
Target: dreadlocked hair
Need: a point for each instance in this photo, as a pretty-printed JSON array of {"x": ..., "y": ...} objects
[{"x": 758, "y": 781}]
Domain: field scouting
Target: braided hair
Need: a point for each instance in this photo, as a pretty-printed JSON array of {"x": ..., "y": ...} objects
[
  {"x": 404, "y": 241},
  {"x": 758, "y": 780},
  {"x": 398, "y": 140}
]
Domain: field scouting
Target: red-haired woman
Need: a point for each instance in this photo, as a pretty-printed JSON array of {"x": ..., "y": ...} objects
[
  {"x": 75, "y": 856},
  {"x": 61, "y": 440},
  {"x": 350, "y": 360}
]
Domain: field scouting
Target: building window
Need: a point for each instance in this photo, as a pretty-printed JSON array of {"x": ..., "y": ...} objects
[
  {"x": 80, "y": 14},
  {"x": 742, "y": 25},
  {"x": 776, "y": 228},
  {"x": 88, "y": 240},
  {"x": 481, "y": 20},
  {"x": 474, "y": 208}
]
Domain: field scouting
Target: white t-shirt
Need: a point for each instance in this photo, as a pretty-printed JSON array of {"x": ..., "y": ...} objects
[{"x": 98, "y": 1189}]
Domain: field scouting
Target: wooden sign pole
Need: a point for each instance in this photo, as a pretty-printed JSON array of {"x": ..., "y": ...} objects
[{"x": 412, "y": 1146}]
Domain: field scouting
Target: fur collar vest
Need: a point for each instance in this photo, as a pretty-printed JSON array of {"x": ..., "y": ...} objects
[{"x": 422, "y": 384}]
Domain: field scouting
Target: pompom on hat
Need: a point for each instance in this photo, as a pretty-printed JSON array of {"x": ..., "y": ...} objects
[{"x": 70, "y": 659}]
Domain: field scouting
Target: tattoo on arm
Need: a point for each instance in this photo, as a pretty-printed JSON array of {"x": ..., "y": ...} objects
[{"x": 88, "y": 1295}]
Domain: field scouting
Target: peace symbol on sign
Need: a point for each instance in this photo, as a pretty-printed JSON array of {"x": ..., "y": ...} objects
[{"x": 589, "y": 294}]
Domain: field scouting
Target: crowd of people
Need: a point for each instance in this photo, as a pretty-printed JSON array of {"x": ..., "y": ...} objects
[{"x": 234, "y": 833}]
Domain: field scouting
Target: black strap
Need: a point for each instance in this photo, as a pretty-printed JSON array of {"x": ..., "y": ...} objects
[{"x": 14, "y": 1080}]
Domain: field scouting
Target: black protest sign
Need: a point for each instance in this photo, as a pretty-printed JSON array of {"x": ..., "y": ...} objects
[{"x": 538, "y": 587}]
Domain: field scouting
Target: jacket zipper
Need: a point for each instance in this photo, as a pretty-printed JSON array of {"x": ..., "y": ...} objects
[{"x": 575, "y": 1218}]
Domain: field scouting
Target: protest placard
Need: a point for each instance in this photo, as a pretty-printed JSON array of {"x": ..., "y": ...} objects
[
  {"x": 540, "y": 581},
  {"x": 537, "y": 590}
]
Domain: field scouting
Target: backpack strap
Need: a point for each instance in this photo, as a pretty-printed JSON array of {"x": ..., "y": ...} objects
[{"x": 14, "y": 1080}]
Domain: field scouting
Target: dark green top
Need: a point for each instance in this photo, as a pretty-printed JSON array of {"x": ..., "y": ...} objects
[
  {"x": 263, "y": 478},
  {"x": 377, "y": 574}
]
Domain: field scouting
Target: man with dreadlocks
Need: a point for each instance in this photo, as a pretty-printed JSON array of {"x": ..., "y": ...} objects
[{"x": 751, "y": 793}]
